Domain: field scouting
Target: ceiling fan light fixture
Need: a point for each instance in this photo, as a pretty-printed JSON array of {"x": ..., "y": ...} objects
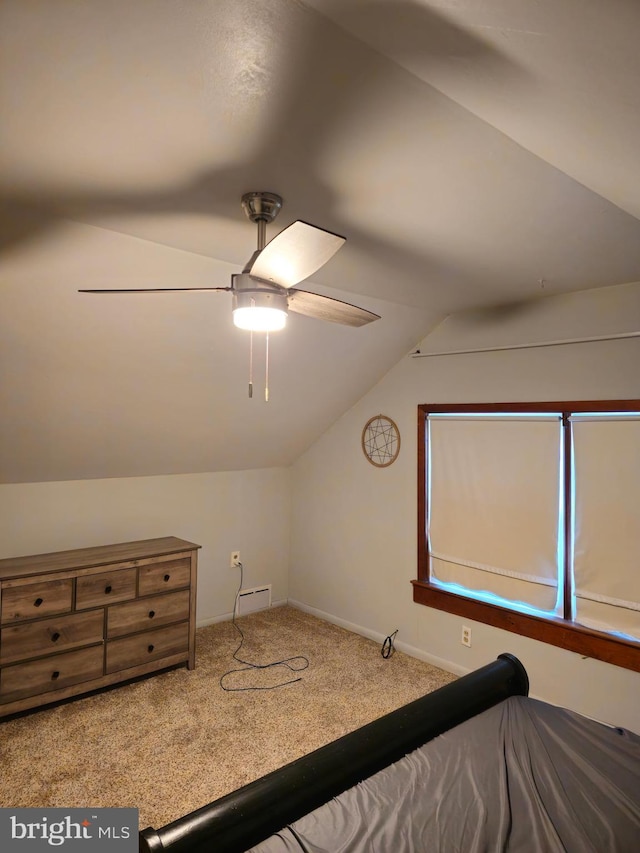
[
  {"x": 259, "y": 319},
  {"x": 259, "y": 311}
]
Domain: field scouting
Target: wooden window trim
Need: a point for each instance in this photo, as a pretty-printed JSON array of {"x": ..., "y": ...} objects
[{"x": 557, "y": 631}]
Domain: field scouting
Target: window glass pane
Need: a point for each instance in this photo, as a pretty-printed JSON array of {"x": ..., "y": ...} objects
[{"x": 494, "y": 505}]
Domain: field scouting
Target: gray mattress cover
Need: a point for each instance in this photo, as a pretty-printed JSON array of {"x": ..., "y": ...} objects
[{"x": 522, "y": 776}]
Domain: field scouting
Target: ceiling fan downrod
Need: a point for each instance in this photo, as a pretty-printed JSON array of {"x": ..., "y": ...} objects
[{"x": 261, "y": 208}]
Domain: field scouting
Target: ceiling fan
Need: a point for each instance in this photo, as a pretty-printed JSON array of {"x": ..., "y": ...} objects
[{"x": 263, "y": 293}]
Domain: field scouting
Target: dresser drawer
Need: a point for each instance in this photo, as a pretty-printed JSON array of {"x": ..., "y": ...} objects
[
  {"x": 52, "y": 673},
  {"x": 34, "y": 600},
  {"x": 49, "y": 636},
  {"x": 98, "y": 590},
  {"x": 160, "y": 577},
  {"x": 151, "y": 645},
  {"x": 147, "y": 613}
]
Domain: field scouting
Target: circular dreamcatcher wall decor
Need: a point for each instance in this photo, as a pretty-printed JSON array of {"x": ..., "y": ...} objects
[{"x": 381, "y": 441}]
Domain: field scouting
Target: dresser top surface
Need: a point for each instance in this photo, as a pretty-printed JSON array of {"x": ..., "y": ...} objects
[{"x": 80, "y": 558}]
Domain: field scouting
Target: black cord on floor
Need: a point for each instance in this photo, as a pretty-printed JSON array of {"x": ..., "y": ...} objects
[
  {"x": 287, "y": 662},
  {"x": 387, "y": 647}
]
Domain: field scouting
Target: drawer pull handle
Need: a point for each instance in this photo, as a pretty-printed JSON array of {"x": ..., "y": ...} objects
[
  {"x": 166, "y": 577},
  {"x": 107, "y": 589},
  {"x": 54, "y": 675},
  {"x": 150, "y": 648},
  {"x": 55, "y": 637},
  {"x": 38, "y": 602},
  {"x": 152, "y": 613}
]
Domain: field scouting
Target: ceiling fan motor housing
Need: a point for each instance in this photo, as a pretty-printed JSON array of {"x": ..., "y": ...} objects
[{"x": 251, "y": 292}]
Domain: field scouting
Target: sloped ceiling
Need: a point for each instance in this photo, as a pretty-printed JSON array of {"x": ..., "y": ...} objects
[{"x": 471, "y": 153}]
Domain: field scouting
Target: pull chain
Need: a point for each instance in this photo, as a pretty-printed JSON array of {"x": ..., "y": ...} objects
[
  {"x": 266, "y": 370},
  {"x": 251, "y": 364}
]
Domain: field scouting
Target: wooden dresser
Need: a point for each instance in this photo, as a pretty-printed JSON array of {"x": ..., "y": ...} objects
[{"x": 74, "y": 621}]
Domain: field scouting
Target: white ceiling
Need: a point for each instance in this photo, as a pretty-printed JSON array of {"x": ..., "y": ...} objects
[{"x": 467, "y": 150}]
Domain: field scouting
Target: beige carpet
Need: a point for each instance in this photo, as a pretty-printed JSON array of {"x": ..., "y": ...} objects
[{"x": 173, "y": 742}]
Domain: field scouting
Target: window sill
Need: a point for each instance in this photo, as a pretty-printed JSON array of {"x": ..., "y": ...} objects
[{"x": 557, "y": 632}]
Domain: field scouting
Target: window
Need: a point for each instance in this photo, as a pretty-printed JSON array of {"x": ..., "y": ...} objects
[{"x": 528, "y": 518}]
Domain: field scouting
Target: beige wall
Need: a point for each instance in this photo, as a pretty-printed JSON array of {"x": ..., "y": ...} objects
[
  {"x": 353, "y": 551},
  {"x": 245, "y": 510}
]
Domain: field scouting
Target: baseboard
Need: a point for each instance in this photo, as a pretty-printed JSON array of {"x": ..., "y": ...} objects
[
  {"x": 412, "y": 651},
  {"x": 408, "y": 649}
]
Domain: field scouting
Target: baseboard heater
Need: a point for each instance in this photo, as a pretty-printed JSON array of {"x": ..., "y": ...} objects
[{"x": 250, "y": 600}]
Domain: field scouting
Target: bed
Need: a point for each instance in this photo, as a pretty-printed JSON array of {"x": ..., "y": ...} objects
[{"x": 473, "y": 767}]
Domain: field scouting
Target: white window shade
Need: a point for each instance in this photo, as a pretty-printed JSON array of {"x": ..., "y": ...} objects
[
  {"x": 606, "y": 561},
  {"x": 494, "y": 503}
]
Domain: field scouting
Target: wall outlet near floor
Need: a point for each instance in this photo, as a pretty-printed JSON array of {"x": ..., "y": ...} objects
[
  {"x": 234, "y": 560},
  {"x": 465, "y": 639}
]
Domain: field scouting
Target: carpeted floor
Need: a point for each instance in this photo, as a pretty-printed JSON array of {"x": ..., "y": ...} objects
[{"x": 172, "y": 743}]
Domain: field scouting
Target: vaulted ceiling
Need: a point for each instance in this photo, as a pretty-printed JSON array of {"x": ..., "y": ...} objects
[{"x": 472, "y": 153}]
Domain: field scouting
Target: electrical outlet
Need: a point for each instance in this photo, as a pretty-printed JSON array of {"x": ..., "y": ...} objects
[
  {"x": 465, "y": 639},
  {"x": 234, "y": 560}
]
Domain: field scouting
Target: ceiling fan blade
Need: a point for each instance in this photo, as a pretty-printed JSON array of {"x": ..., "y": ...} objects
[
  {"x": 295, "y": 253},
  {"x": 325, "y": 308},
  {"x": 157, "y": 290}
]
